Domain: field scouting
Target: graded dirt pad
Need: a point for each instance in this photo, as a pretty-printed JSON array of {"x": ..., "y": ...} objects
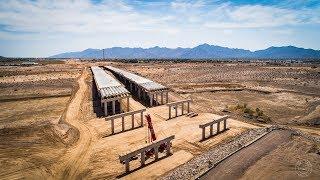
[
  {"x": 29, "y": 152},
  {"x": 234, "y": 166},
  {"x": 32, "y": 101},
  {"x": 29, "y": 144},
  {"x": 26, "y": 112},
  {"x": 52, "y": 80},
  {"x": 104, "y": 161},
  {"x": 287, "y": 93},
  {"x": 282, "y": 107}
]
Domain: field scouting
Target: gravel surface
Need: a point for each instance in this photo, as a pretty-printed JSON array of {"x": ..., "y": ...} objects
[{"x": 203, "y": 162}]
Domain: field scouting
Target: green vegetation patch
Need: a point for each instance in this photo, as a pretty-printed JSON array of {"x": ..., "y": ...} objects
[{"x": 249, "y": 112}]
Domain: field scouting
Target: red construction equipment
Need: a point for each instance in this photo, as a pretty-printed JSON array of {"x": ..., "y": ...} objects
[
  {"x": 150, "y": 127},
  {"x": 153, "y": 138}
]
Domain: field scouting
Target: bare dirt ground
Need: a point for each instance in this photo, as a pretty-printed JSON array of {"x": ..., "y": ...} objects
[
  {"x": 297, "y": 158},
  {"x": 53, "y": 119},
  {"x": 236, "y": 165},
  {"x": 31, "y": 107},
  {"x": 287, "y": 93}
]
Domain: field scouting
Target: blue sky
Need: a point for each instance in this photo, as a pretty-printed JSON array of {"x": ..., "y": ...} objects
[{"x": 40, "y": 28}]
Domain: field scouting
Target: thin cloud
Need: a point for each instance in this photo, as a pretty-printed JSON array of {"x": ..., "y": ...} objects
[
  {"x": 183, "y": 23},
  {"x": 83, "y": 16}
]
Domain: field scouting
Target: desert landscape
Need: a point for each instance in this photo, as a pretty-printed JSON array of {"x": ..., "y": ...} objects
[
  {"x": 154, "y": 89},
  {"x": 52, "y": 124}
]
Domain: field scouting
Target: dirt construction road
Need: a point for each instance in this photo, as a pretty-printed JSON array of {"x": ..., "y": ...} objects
[
  {"x": 74, "y": 161},
  {"x": 234, "y": 166}
]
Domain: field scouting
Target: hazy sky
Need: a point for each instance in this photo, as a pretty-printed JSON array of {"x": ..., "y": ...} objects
[{"x": 41, "y": 28}]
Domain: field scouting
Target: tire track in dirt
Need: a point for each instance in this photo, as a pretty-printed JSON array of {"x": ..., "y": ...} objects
[{"x": 74, "y": 161}]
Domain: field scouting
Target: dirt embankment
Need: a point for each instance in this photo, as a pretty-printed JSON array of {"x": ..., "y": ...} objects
[{"x": 234, "y": 166}]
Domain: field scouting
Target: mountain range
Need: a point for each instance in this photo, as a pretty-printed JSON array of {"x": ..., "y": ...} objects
[{"x": 204, "y": 51}]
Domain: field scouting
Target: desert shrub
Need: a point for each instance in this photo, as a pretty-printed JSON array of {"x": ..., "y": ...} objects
[{"x": 250, "y": 112}]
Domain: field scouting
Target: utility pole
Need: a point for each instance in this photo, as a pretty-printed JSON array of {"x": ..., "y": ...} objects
[{"x": 103, "y": 53}]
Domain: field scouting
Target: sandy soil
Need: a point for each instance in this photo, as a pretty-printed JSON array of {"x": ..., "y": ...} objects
[
  {"x": 296, "y": 159},
  {"x": 236, "y": 165},
  {"x": 31, "y": 108},
  {"x": 27, "y": 112}
]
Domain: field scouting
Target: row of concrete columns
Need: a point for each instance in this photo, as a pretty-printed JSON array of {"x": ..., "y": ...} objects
[
  {"x": 122, "y": 116},
  {"x": 155, "y": 146},
  {"x": 153, "y": 97},
  {"x": 210, "y": 124},
  {"x": 113, "y": 106},
  {"x": 176, "y": 105}
]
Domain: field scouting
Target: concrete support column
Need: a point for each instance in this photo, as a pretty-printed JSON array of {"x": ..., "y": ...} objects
[
  {"x": 113, "y": 107},
  {"x": 151, "y": 100},
  {"x": 127, "y": 165},
  {"x": 141, "y": 118},
  {"x": 132, "y": 120},
  {"x": 156, "y": 152},
  {"x": 203, "y": 133},
  {"x": 168, "y": 148},
  {"x": 167, "y": 97},
  {"x": 143, "y": 158},
  {"x": 127, "y": 104},
  {"x": 161, "y": 97},
  {"x": 157, "y": 103},
  {"x": 122, "y": 121},
  {"x": 106, "y": 108},
  {"x": 176, "y": 110},
  {"x": 182, "y": 108},
  {"x": 112, "y": 126}
]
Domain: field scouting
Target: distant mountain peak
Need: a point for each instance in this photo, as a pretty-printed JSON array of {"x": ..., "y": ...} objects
[
  {"x": 91, "y": 49},
  {"x": 204, "y": 45}
]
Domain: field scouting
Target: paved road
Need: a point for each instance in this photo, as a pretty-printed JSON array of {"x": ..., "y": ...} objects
[{"x": 234, "y": 166}]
